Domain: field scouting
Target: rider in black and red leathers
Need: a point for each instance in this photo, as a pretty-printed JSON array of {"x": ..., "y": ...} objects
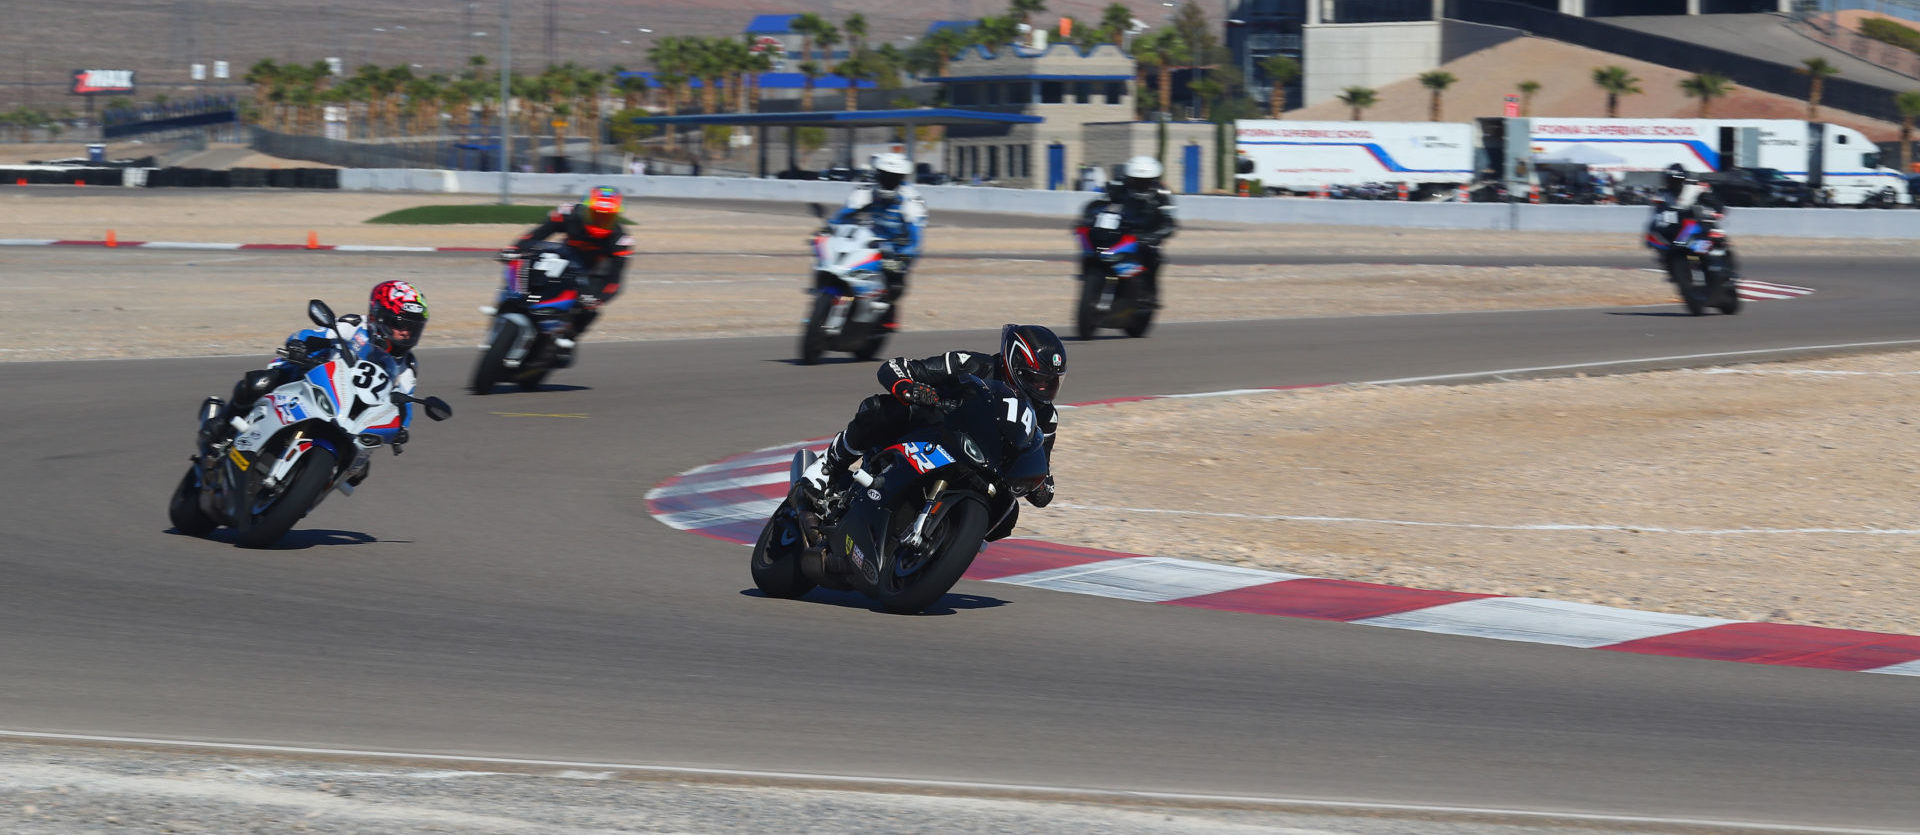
[
  {"x": 1032, "y": 360},
  {"x": 592, "y": 229},
  {"x": 1146, "y": 210}
]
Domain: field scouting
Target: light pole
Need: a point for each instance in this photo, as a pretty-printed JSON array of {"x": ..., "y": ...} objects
[{"x": 506, "y": 136}]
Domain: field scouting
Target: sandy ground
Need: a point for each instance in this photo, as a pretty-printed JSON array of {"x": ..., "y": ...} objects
[{"x": 1763, "y": 492}]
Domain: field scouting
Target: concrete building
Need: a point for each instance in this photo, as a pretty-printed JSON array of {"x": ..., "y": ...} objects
[{"x": 1085, "y": 99}]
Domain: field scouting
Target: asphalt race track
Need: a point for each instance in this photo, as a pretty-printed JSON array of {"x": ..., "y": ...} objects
[{"x": 500, "y": 590}]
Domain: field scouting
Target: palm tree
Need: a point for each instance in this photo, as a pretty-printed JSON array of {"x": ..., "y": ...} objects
[
  {"x": 1116, "y": 19},
  {"x": 1617, "y": 82},
  {"x": 672, "y": 58},
  {"x": 1527, "y": 88},
  {"x": 1164, "y": 50},
  {"x": 710, "y": 66},
  {"x": 263, "y": 75},
  {"x": 854, "y": 69},
  {"x": 1706, "y": 86},
  {"x": 1281, "y": 71},
  {"x": 856, "y": 27},
  {"x": 828, "y": 37},
  {"x": 757, "y": 64},
  {"x": 807, "y": 26},
  {"x": 1908, "y": 103},
  {"x": 945, "y": 42},
  {"x": 590, "y": 85},
  {"x": 1023, "y": 10},
  {"x": 1436, "y": 82},
  {"x": 995, "y": 32},
  {"x": 631, "y": 87},
  {"x": 1817, "y": 71},
  {"x": 1358, "y": 99},
  {"x": 1207, "y": 90}
]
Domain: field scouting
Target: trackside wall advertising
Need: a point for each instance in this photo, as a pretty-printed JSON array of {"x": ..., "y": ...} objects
[{"x": 102, "y": 82}]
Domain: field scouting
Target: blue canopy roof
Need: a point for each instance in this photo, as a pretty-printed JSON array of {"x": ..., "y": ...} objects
[
  {"x": 771, "y": 24},
  {"x": 960, "y": 25},
  {"x": 847, "y": 118},
  {"x": 769, "y": 81}
]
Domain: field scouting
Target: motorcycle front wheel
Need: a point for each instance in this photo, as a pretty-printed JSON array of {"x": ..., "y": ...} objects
[
  {"x": 1086, "y": 318},
  {"x": 271, "y": 518},
  {"x": 492, "y": 360},
  {"x": 913, "y": 579},
  {"x": 184, "y": 508},
  {"x": 1680, "y": 270},
  {"x": 776, "y": 558},
  {"x": 813, "y": 337}
]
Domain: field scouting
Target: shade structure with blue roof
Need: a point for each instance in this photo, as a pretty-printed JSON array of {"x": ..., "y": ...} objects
[
  {"x": 771, "y": 24},
  {"x": 767, "y": 81}
]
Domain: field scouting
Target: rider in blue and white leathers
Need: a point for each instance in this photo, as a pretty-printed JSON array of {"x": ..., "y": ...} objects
[{"x": 892, "y": 208}]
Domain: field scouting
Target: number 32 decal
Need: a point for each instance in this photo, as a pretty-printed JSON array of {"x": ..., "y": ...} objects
[{"x": 370, "y": 376}]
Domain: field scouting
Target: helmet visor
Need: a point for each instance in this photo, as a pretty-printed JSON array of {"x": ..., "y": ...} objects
[{"x": 1042, "y": 385}]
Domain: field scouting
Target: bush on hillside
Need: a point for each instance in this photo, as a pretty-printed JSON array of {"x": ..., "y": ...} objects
[{"x": 1887, "y": 31}]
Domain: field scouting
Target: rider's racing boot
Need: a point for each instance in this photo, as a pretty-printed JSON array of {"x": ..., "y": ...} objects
[
  {"x": 563, "y": 352},
  {"x": 830, "y": 483}
]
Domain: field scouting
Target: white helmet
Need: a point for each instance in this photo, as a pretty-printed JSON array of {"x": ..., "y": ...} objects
[
  {"x": 1142, "y": 176},
  {"x": 890, "y": 170},
  {"x": 1143, "y": 168}
]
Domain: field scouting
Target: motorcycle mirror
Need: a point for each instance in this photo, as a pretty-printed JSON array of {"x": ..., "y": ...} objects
[
  {"x": 817, "y": 210},
  {"x": 320, "y": 313},
  {"x": 438, "y": 409}
]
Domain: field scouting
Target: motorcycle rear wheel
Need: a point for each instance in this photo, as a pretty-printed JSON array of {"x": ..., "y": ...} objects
[
  {"x": 813, "y": 339},
  {"x": 488, "y": 371},
  {"x": 952, "y": 541},
  {"x": 184, "y": 508},
  {"x": 776, "y": 559},
  {"x": 309, "y": 478}
]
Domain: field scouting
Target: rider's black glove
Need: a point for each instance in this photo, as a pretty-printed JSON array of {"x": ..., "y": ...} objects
[
  {"x": 1043, "y": 496},
  {"x": 915, "y": 394}
]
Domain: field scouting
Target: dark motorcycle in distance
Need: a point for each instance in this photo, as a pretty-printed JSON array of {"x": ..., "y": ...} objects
[
  {"x": 1110, "y": 268},
  {"x": 531, "y": 334},
  {"x": 920, "y": 509},
  {"x": 1697, "y": 256},
  {"x": 850, "y": 311}
]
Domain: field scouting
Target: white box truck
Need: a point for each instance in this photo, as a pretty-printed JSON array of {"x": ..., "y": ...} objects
[
  {"x": 1825, "y": 156},
  {"x": 1307, "y": 157}
]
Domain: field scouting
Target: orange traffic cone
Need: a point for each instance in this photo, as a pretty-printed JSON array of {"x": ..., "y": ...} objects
[
  {"x": 1466, "y": 195},
  {"x": 313, "y": 240},
  {"x": 1402, "y": 191},
  {"x": 20, "y": 182},
  {"x": 80, "y": 182},
  {"x": 1533, "y": 194},
  {"x": 112, "y": 240}
]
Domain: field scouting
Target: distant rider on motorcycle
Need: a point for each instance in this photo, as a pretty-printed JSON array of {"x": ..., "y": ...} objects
[
  {"x": 1146, "y": 210},
  {"x": 891, "y": 207},
  {"x": 1032, "y": 360},
  {"x": 1680, "y": 198},
  {"x": 593, "y": 231},
  {"x": 396, "y": 316}
]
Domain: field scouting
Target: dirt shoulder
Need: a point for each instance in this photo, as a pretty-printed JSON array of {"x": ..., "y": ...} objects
[{"x": 1773, "y": 492}]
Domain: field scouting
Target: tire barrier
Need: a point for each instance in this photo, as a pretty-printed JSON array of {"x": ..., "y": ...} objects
[{"x": 300, "y": 178}]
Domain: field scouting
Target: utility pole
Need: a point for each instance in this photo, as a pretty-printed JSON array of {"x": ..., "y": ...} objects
[
  {"x": 553, "y": 20},
  {"x": 506, "y": 134}
]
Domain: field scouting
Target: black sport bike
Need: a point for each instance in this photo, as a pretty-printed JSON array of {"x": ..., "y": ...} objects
[{"x": 920, "y": 509}]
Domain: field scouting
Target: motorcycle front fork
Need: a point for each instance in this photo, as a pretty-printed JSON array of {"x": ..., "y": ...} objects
[{"x": 917, "y": 535}]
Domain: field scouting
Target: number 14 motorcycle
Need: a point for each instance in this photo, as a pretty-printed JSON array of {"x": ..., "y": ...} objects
[
  {"x": 302, "y": 440},
  {"x": 920, "y": 510}
]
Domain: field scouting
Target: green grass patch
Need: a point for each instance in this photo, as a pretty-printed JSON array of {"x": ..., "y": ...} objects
[{"x": 521, "y": 215}]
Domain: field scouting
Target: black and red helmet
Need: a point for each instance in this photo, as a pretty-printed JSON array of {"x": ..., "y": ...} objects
[
  {"x": 396, "y": 315},
  {"x": 1033, "y": 359}
]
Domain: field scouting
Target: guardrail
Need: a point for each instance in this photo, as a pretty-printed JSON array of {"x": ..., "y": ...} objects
[{"x": 1626, "y": 220}]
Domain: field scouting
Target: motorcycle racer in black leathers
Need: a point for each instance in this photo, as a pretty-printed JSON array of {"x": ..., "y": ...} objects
[
  {"x": 1146, "y": 210},
  {"x": 1032, "y": 360},
  {"x": 593, "y": 231}
]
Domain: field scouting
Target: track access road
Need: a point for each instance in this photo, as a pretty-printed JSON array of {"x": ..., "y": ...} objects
[{"x": 499, "y": 590}]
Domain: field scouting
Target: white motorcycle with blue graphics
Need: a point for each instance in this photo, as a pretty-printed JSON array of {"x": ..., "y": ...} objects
[
  {"x": 302, "y": 440},
  {"x": 850, "y": 310}
]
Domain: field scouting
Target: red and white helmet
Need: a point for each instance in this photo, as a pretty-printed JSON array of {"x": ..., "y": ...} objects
[
  {"x": 396, "y": 316},
  {"x": 1033, "y": 359}
]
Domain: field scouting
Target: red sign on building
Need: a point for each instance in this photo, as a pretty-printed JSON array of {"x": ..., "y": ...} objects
[{"x": 1512, "y": 105}]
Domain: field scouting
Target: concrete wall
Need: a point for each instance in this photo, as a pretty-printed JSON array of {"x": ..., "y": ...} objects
[
  {"x": 1627, "y": 221},
  {"x": 1342, "y": 55}
]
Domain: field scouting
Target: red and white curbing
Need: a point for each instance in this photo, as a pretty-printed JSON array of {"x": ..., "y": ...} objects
[
  {"x": 730, "y": 499},
  {"x": 194, "y": 245},
  {"x": 1761, "y": 291}
]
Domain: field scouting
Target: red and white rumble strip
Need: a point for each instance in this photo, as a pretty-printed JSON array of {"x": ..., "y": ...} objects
[
  {"x": 224, "y": 247},
  {"x": 730, "y": 499}
]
